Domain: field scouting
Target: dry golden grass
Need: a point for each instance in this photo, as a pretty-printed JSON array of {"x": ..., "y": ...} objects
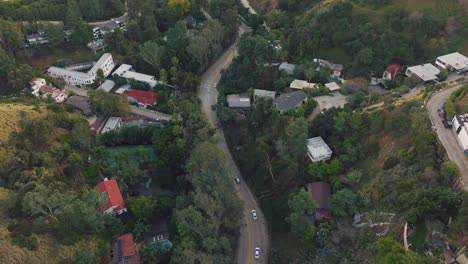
[
  {"x": 11, "y": 114},
  {"x": 49, "y": 250}
]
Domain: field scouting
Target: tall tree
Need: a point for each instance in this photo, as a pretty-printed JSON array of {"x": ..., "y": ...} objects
[
  {"x": 343, "y": 202},
  {"x": 19, "y": 77},
  {"x": 178, "y": 7},
  {"x": 299, "y": 204},
  {"x": 11, "y": 37},
  {"x": 152, "y": 53},
  {"x": 298, "y": 138},
  {"x": 73, "y": 15},
  {"x": 199, "y": 49}
]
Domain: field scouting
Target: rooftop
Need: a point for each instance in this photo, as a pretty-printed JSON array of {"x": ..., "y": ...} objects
[
  {"x": 301, "y": 84},
  {"x": 111, "y": 188},
  {"x": 111, "y": 124},
  {"x": 122, "y": 89},
  {"x": 99, "y": 63},
  {"x": 290, "y": 100},
  {"x": 320, "y": 192},
  {"x": 332, "y": 86},
  {"x": 425, "y": 72},
  {"x": 318, "y": 149},
  {"x": 69, "y": 73},
  {"x": 107, "y": 85},
  {"x": 264, "y": 93},
  {"x": 144, "y": 97},
  {"x": 240, "y": 101},
  {"x": 125, "y": 250},
  {"x": 455, "y": 60}
]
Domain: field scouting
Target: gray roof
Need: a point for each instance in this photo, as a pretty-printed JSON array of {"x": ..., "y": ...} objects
[
  {"x": 289, "y": 101},
  {"x": 82, "y": 103},
  {"x": 238, "y": 101},
  {"x": 264, "y": 93},
  {"x": 107, "y": 85}
]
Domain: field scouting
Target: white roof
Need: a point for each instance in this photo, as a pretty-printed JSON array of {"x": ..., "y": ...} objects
[
  {"x": 426, "y": 72},
  {"x": 264, "y": 93},
  {"x": 455, "y": 60},
  {"x": 125, "y": 71},
  {"x": 69, "y": 73},
  {"x": 107, "y": 85},
  {"x": 111, "y": 124},
  {"x": 236, "y": 100},
  {"x": 318, "y": 149},
  {"x": 287, "y": 67},
  {"x": 100, "y": 62},
  {"x": 300, "y": 84},
  {"x": 122, "y": 89},
  {"x": 333, "y": 86}
]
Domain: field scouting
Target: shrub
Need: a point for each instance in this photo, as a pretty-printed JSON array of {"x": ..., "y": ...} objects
[
  {"x": 390, "y": 162},
  {"x": 20, "y": 229},
  {"x": 28, "y": 242}
]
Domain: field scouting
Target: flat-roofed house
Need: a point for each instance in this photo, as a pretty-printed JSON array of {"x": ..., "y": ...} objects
[
  {"x": 126, "y": 71},
  {"x": 238, "y": 101},
  {"x": 290, "y": 101},
  {"x": 425, "y": 72},
  {"x": 453, "y": 62},
  {"x": 258, "y": 93},
  {"x": 301, "y": 84},
  {"x": 112, "y": 123},
  {"x": 318, "y": 150}
]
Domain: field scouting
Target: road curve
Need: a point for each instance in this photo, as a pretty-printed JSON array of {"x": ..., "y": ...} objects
[
  {"x": 252, "y": 233},
  {"x": 447, "y": 136}
]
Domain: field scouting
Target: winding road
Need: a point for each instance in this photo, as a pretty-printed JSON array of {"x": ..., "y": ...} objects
[
  {"x": 253, "y": 233},
  {"x": 447, "y": 136}
]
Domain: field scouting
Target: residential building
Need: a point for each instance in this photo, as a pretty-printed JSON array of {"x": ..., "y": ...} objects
[
  {"x": 336, "y": 68},
  {"x": 238, "y": 101},
  {"x": 105, "y": 63},
  {"x": 159, "y": 241},
  {"x": 318, "y": 150},
  {"x": 81, "y": 103},
  {"x": 115, "y": 204},
  {"x": 41, "y": 89},
  {"x": 126, "y": 71},
  {"x": 112, "y": 123},
  {"x": 301, "y": 84},
  {"x": 453, "y": 62},
  {"x": 258, "y": 93},
  {"x": 320, "y": 192},
  {"x": 107, "y": 85},
  {"x": 460, "y": 127},
  {"x": 287, "y": 68},
  {"x": 290, "y": 101},
  {"x": 425, "y": 72},
  {"x": 332, "y": 86},
  {"x": 391, "y": 72},
  {"x": 122, "y": 89},
  {"x": 124, "y": 251},
  {"x": 37, "y": 38},
  {"x": 108, "y": 26},
  {"x": 144, "y": 99}
]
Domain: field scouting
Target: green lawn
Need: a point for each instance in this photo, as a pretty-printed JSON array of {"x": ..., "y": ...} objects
[
  {"x": 417, "y": 238},
  {"x": 132, "y": 155}
]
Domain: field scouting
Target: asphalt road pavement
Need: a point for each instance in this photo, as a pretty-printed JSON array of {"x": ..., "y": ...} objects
[
  {"x": 253, "y": 233},
  {"x": 447, "y": 136}
]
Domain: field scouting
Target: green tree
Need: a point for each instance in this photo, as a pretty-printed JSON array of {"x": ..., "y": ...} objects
[
  {"x": 20, "y": 76},
  {"x": 54, "y": 34},
  {"x": 45, "y": 203},
  {"x": 299, "y": 204},
  {"x": 343, "y": 203},
  {"x": 6, "y": 63},
  {"x": 390, "y": 251},
  {"x": 310, "y": 74},
  {"x": 100, "y": 75},
  {"x": 152, "y": 53},
  {"x": 117, "y": 41},
  {"x": 450, "y": 170},
  {"x": 298, "y": 138},
  {"x": 150, "y": 29},
  {"x": 178, "y": 7},
  {"x": 11, "y": 36},
  {"x": 73, "y": 17},
  {"x": 149, "y": 208}
]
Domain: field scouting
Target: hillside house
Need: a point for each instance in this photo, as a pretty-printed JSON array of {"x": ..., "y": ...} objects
[
  {"x": 453, "y": 62},
  {"x": 126, "y": 71},
  {"x": 391, "y": 72},
  {"x": 258, "y": 93},
  {"x": 71, "y": 77},
  {"x": 107, "y": 86},
  {"x": 301, "y": 84},
  {"x": 318, "y": 150},
  {"x": 290, "y": 101},
  {"x": 144, "y": 99},
  {"x": 321, "y": 193},
  {"x": 238, "y": 101},
  {"x": 337, "y": 69},
  {"x": 425, "y": 72},
  {"x": 115, "y": 204},
  {"x": 112, "y": 123},
  {"x": 332, "y": 86},
  {"x": 41, "y": 89},
  {"x": 123, "y": 250},
  {"x": 37, "y": 38}
]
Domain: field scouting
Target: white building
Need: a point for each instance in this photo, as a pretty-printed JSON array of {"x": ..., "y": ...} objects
[
  {"x": 460, "y": 127},
  {"x": 264, "y": 94},
  {"x": 426, "y": 72},
  {"x": 107, "y": 85},
  {"x": 318, "y": 150},
  {"x": 105, "y": 63},
  {"x": 40, "y": 89},
  {"x": 332, "y": 86},
  {"x": 288, "y": 68},
  {"x": 453, "y": 62},
  {"x": 126, "y": 71},
  {"x": 36, "y": 83},
  {"x": 301, "y": 84},
  {"x": 112, "y": 123},
  {"x": 238, "y": 101}
]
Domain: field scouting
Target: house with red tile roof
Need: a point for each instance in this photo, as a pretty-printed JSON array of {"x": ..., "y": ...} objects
[
  {"x": 123, "y": 250},
  {"x": 142, "y": 98},
  {"x": 391, "y": 72},
  {"x": 115, "y": 203}
]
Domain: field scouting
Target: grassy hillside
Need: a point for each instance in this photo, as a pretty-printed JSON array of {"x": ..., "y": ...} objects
[
  {"x": 11, "y": 114},
  {"x": 49, "y": 250}
]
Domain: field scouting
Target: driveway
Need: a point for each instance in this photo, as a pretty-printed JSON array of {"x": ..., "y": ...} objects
[
  {"x": 447, "y": 136},
  {"x": 252, "y": 233}
]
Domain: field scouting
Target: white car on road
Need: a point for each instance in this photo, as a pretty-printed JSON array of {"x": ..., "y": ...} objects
[
  {"x": 254, "y": 214},
  {"x": 257, "y": 252}
]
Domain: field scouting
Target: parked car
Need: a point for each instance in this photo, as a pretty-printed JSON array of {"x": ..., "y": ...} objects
[
  {"x": 449, "y": 124},
  {"x": 213, "y": 107},
  {"x": 257, "y": 252},
  {"x": 215, "y": 84},
  {"x": 444, "y": 123},
  {"x": 237, "y": 179},
  {"x": 254, "y": 214}
]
